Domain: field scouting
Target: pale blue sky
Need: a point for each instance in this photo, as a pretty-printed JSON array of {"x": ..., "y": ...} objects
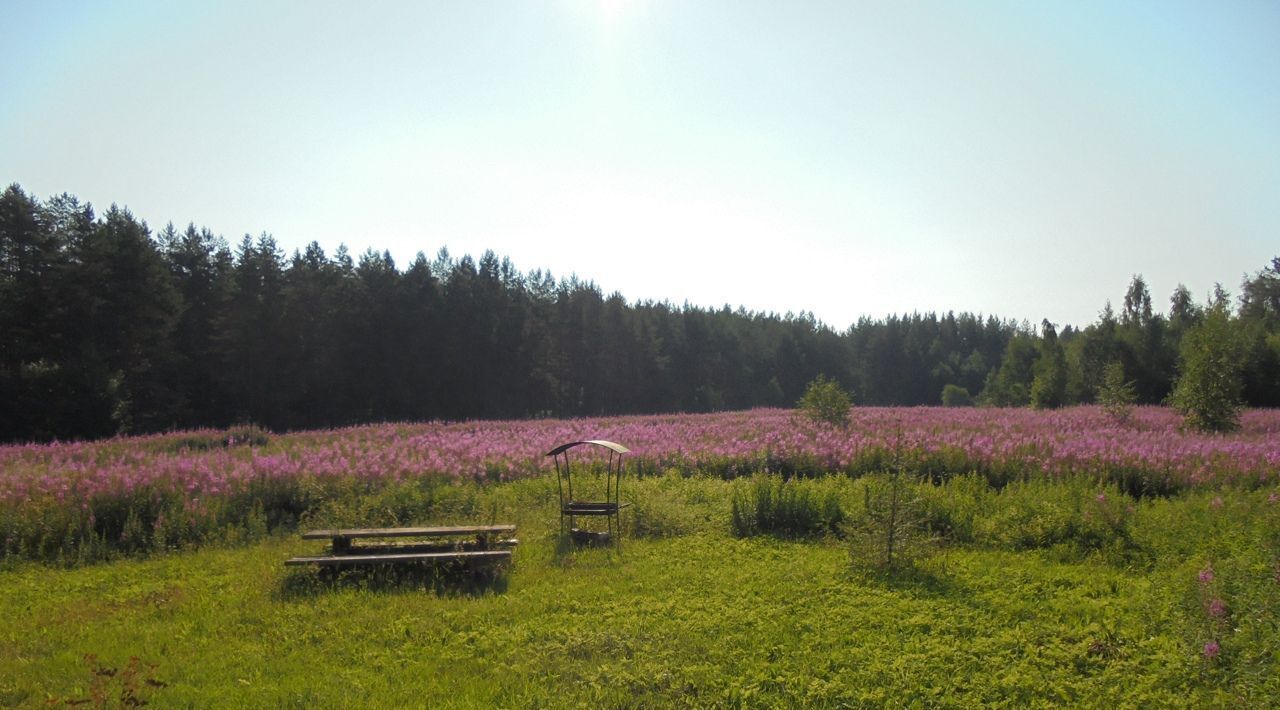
[{"x": 1016, "y": 158}]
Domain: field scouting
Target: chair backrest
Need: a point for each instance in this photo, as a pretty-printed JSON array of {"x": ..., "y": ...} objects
[{"x": 613, "y": 474}]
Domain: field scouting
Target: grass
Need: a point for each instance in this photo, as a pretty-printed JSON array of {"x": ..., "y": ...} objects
[
  {"x": 697, "y": 620},
  {"x": 684, "y": 614}
]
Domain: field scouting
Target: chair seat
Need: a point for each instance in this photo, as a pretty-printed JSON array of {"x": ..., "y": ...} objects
[{"x": 588, "y": 508}]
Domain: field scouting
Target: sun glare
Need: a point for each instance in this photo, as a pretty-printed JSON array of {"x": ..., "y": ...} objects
[{"x": 612, "y": 12}]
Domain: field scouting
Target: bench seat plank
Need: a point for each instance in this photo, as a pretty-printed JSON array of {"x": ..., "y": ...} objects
[
  {"x": 583, "y": 508},
  {"x": 354, "y": 533},
  {"x": 394, "y": 547},
  {"x": 401, "y": 557}
]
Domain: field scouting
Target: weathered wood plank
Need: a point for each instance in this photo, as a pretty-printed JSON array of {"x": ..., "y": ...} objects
[
  {"x": 353, "y": 533},
  {"x": 580, "y": 508},
  {"x": 393, "y": 547},
  {"x": 397, "y": 558}
]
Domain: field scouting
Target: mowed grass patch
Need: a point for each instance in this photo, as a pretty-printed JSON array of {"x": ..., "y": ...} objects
[{"x": 699, "y": 619}]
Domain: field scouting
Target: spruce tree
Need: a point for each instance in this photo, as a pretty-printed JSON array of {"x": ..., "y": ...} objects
[
  {"x": 1116, "y": 395},
  {"x": 1049, "y": 388}
]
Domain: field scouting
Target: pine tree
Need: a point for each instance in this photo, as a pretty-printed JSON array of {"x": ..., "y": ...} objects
[{"x": 29, "y": 367}]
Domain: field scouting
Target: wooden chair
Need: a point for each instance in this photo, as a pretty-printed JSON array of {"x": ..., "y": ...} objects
[{"x": 573, "y": 508}]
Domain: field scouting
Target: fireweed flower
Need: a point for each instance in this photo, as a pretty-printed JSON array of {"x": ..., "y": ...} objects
[
  {"x": 1054, "y": 444},
  {"x": 1217, "y": 608},
  {"x": 1212, "y": 649},
  {"x": 1206, "y": 574}
]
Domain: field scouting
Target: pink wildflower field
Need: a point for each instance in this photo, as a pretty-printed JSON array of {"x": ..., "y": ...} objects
[{"x": 1150, "y": 451}]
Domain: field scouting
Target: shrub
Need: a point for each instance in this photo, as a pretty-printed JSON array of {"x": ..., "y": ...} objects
[
  {"x": 825, "y": 402},
  {"x": 956, "y": 396}
]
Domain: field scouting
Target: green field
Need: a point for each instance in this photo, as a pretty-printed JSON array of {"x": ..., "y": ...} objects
[{"x": 684, "y": 614}]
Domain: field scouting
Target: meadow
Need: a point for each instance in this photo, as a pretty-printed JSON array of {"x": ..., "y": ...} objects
[{"x": 1069, "y": 561}]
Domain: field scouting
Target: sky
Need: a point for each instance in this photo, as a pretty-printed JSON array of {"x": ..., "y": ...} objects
[{"x": 849, "y": 159}]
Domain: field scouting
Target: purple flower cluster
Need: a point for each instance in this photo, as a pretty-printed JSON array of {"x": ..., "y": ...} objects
[
  {"x": 1058, "y": 443},
  {"x": 1206, "y": 575}
]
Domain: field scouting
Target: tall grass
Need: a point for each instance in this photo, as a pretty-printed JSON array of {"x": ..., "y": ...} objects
[{"x": 787, "y": 508}]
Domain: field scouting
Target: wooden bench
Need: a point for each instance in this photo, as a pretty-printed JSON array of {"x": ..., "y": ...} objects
[{"x": 455, "y": 543}]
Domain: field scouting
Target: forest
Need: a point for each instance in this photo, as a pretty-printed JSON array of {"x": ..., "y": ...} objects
[{"x": 107, "y": 327}]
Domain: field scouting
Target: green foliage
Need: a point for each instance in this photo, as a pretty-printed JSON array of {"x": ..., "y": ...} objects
[
  {"x": 1260, "y": 367},
  {"x": 1010, "y": 384},
  {"x": 700, "y": 619},
  {"x": 1049, "y": 388},
  {"x": 1221, "y": 552},
  {"x": 243, "y": 435},
  {"x": 825, "y": 402},
  {"x": 889, "y": 534},
  {"x": 658, "y": 517},
  {"x": 956, "y": 396},
  {"x": 107, "y": 327},
  {"x": 1116, "y": 395},
  {"x": 1090, "y": 352},
  {"x": 1260, "y": 295},
  {"x": 1137, "y": 303},
  {"x": 788, "y": 508},
  {"x": 1209, "y": 387},
  {"x": 1074, "y": 517},
  {"x": 672, "y": 505}
]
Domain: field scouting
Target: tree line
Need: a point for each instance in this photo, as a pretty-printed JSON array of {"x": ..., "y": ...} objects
[{"x": 107, "y": 327}]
